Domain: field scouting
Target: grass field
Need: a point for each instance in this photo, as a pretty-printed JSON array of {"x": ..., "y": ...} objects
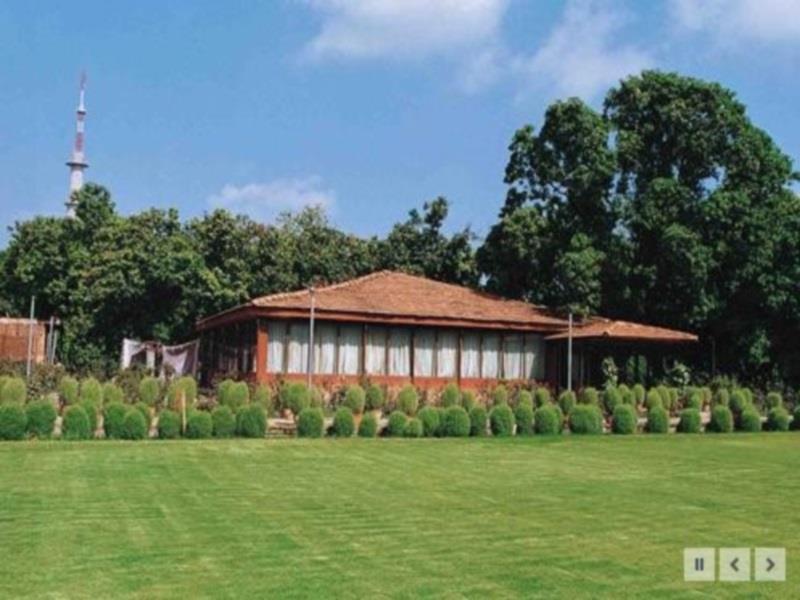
[{"x": 566, "y": 517}]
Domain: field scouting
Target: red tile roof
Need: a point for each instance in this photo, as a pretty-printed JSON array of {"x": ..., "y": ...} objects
[{"x": 600, "y": 328}]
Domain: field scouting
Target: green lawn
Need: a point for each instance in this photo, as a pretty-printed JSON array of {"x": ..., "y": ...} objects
[{"x": 566, "y": 517}]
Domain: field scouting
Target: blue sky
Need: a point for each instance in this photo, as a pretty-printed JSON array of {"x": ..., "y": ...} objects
[{"x": 369, "y": 107}]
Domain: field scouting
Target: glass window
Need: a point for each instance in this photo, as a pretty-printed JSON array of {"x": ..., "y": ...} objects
[
  {"x": 446, "y": 353},
  {"x": 349, "y": 349},
  {"x": 399, "y": 351},
  {"x": 470, "y": 355},
  {"x": 423, "y": 352},
  {"x": 490, "y": 356},
  {"x": 512, "y": 356},
  {"x": 325, "y": 348},
  {"x": 298, "y": 348},
  {"x": 375, "y": 357},
  {"x": 534, "y": 356}
]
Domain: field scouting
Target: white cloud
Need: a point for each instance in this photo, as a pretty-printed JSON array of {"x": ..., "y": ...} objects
[
  {"x": 731, "y": 22},
  {"x": 580, "y": 56},
  {"x": 264, "y": 201},
  {"x": 403, "y": 29}
]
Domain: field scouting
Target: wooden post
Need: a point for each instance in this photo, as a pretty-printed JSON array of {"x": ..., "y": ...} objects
[
  {"x": 182, "y": 398},
  {"x": 262, "y": 344}
]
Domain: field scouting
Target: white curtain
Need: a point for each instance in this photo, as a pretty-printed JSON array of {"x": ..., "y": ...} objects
[
  {"x": 490, "y": 356},
  {"x": 276, "y": 332},
  {"x": 298, "y": 348},
  {"x": 423, "y": 352},
  {"x": 446, "y": 354},
  {"x": 534, "y": 356},
  {"x": 512, "y": 356},
  {"x": 375, "y": 359},
  {"x": 399, "y": 351},
  {"x": 470, "y": 355},
  {"x": 325, "y": 348},
  {"x": 349, "y": 349}
]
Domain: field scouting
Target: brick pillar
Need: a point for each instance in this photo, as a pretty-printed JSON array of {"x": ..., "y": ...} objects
[{"x": 262, "y": 341}]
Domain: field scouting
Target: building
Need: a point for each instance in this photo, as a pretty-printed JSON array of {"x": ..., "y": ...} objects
[
  {"x": 393, "y": 328},
  {"x": 17, "y": 334}
]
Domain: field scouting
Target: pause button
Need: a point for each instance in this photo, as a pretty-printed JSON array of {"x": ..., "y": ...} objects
[{"x": 698, "y": 564}]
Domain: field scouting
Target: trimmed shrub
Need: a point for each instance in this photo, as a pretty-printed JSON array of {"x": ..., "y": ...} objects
[
  {"x": 638, "y": 394},
  {"x": 707, "y": 395},
  {"x": 344, "y": 425},
  {"x": 721, "y": 419},
  {"x": 15, "y": 391},
  {"x": 626, "y": 394},
  {"x": 185, "y": 386},
  {"x": 501, "y": 421},
  {"x": 150, "y": 391},
  {"x": 234, "y": 395},
  {"x": 413, "y": 428},
  {"x": 547, "y": 420},
  {"x": 145, "y": 410},
  {"x": 694, "y": 401},
  {"x": 310, "y": 423},
  {"x": 749, "y": 420},
  {"x": 451, "y": 395},
  {"x": 657, "y": 420},
  {"x": 773, "y": 400},
  {"x": 169, "y": 425},
  {"x": 611, "y": 398},
  {"x": 737, "y": 402},
  {"x": 778, "y": 419},
  {"x": 189, "y": 385},
  {"x": 12, "y": 422},
  {"x": 375, "y": 398},
  {"x": 262, "y": 396},
  {"x": 440, "y": 430},
  {"x": 113, "y": 416},
  {"x": 589, "y": 395},
  {"x": 91, "y": 413},
  {"x": 368, "y": 428},
  {"x": 68, "y": 390},
  {"x": 397, "y": 424},
  {"x": 355, "y": 398},
  {"x": 525, "y": 398},
  {"x": 721, "y": 398},
  {"x": 523, "y": 416},
  {"x": 499, "y": 395},
  {"x": 134, "y": 426},
  {"x": 223, "y": 422},
  {"x": 251, "y": 421},
  {"x": 478, "y": 420},
  {"x": 91, "y": 391},
  {"x": 75, "y": 425},
  {"x": 199, "y": 425},
  {"x": 585, "y": 419},
  {"x": 663, "y": 393},
  {"x": 748, "y": 394},
  {"x": 623, "y": 420},
  {"x": 541, "y": 397},
  {"x": 653, "y": 399},
  {"x": 408, "y": 400},
  {"x": 795, "y": 418},
  {"x": 673, "y": 397},
  {"x": 468, "y": 400},
  {"x": 295, "y": 397},
  {"x": 690, "y": 420},
  {"x": 566, "y": 400},
  {"x": 456, "y": 422},
  {"x": 41, "y": 418},
  {"x": 316, "y": 396},
  {"x": 112, "y": 393},
  {"x": 429, "y": 417}
]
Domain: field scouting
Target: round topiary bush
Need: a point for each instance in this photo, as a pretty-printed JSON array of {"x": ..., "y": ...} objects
[
  {"x": 589, "y": 395},
  {"x": 525, "y": 398},
  {"x": 295, "y": 397},
  {"x": 523, "y": 417},
  {"x": 189, "y": 386},
  {"x": 623, "y": 420},
  {"x": 413, "y": 428},
  {"x": 468, "y": 400},
  {"x": 375, "y": 398},
  {"x": 456, "y": 422},
  {"x": 773, "y": 400},
  {"x": 15, "y": 391},
  {"x": 663, "y": 393},
  {"x": 626, "y": 394},
  {"x": 737, "y": 402},
  {"x": 112, "y": 393},
  {"x": 541, "y": 397},
  {"x": 41, "y": 418},
  {"x": 262, "y": 395},
  {"x": 653, "y": 399},
  {"x": 611, "y": 398},
  {"x": 344, "y": 425},
  {"x": 397, "y": 424},
  {"x": 150, "y": 391},
  {"x": 721, "y": 398},
  {"x": 91, "y": 413},
  {"x": 690, "y": 421},
  {"x": 639, "y": 394},
  {"x": 566, "y": 400},
  {"x": 501, "y": 421},
  {"x": 91, "y": 391},
  {"x": 113, "y": 416},
  {"x": 657, "y": 420},
  {"x": 451, "y": 395},
  {"x": 749, "y": 420},
  {"x": 134, "y": 427},
  {"x": 408, "y": 400},
  {"x": 183, "y": 388},
  {"x": 499, "y": 395},
  {"x": 223, "y": 422},
  {"x": 694, "y": 400},
  {"x": 199, "y": 425},
  {"x": 721, "y": 419},
  {"x": 169, "y": 425},
  {"x": 75, "y": 425},
  {"x": 310, "y": 423},
  {"x": 234, "y": 395},
  {"x": 12, "y": 422},
  {"x": 368, "y": 428},
  {"x": 478, "y": 421},
  {"x": 429, "y": 417},
  {"x": 68, "y": 390},
  {"x": 707, "y": 395},
  {"x": 585, "y": 419},
  {"x": 145, "y": 410},
  {"x": 778, "y": 418},
  {"x": 547, "y": 420},
  {"x": 673, "y": 395},
  {"x": 251, "y": 421},
  {"x": 355, "y": 398}
]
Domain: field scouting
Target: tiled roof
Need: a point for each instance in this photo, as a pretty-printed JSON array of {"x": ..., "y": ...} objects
[
  {"x": 395, "y": 294},
  {"x": 598, "y": 327}
]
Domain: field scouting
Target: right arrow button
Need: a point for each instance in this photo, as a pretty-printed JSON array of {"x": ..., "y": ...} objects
[{"x": 770, "y": 564}]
